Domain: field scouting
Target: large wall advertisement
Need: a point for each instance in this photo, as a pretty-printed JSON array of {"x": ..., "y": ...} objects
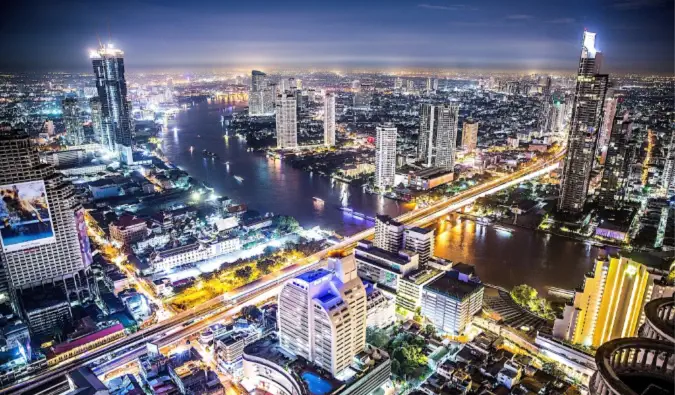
[{"x": 25, "y": 219}]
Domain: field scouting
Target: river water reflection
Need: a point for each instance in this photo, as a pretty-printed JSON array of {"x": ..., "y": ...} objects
[{"x": 269, "y": 185}]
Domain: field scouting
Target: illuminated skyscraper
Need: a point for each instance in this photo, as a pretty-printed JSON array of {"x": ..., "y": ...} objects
[
  {"x": 617, "y": 160},
  {"x": 287, "y": 121},
  {"x": 329, "y": 119},
  {"x": 48, "y": 243},
  {"x": 610, "y": 304},
  {"x": 72, "y": 121},
  {"x": 469, "y": 135},
  {"x": 587, "y": 111},
  {"x": 97, "y": 121},
  {"x": 438, "y": 135},
  {"x": 385, "y": 156},
  {"x": 398, "y": 83},
  {"x": 322, "y": 315},
  {"x": 108, "y": 65}
]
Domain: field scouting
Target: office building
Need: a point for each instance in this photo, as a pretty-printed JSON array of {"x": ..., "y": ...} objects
[
  {"x": 97, "y": 122},
  {"x": 409, "y": 292},
  {"x": 398, "y": 83},
  {"x": 385, "y": 156},
  {"x": 469, "y": 135},
  {"x": 329, "y": 120},
  {"x": 287, "y": 121},
  {"x": 610, "y": 303},
  {"x": 438, "y": 135},
  {"x": 617, "y": 161},
  {"x": 383, "y": 267},
  {"x": 451, "y": 300},
  {"x": 322, "y": 315},
  {"x": 72, "y": 121},
  {"x": 587, "y": 112},
  {"x": 111, "y": 84},
  {"x": 421, "y": 241},
  {"x": 388, "y": 233},
  {"x": 381, "y": 309},
  {"x": 54, "y": 247}
]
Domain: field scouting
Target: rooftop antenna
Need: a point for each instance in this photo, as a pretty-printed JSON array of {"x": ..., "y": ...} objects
[{"x": 100, "y": 45}]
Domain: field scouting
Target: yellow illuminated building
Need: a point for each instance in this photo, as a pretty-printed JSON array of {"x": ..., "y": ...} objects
[{"x": 610, "y": 304}]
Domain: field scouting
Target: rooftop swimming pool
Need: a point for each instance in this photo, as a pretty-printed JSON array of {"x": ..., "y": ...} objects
[{"x": 316, "y": 384}]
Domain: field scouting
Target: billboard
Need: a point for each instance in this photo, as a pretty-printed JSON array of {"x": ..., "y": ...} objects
[{"x": 25, "y": 220}]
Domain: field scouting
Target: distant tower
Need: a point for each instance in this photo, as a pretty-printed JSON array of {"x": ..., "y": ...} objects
[
  {"x": 108, "y": 65},
  {"x": 287, "y": 121},
  {"x": 438, "y": 135},
  {"x": 97, "y": 121},
  {"x": 589, "y": 99},
  {"x": 329, "y": 120},
  {"x": 71, "y": 119},
  {"x": 385, "y": 156},
  {"x": 469, "y": 135},
  {"x": 261, "y": 95}
]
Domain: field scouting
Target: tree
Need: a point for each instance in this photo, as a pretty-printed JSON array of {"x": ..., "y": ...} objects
[
  {"x": 251, "y": 312},
  {"x": 244, "y": 272},
  {"x": 429, "y": 330},
  {"x": 525, "y": 296},
  {"x": 377, "y": 337}
]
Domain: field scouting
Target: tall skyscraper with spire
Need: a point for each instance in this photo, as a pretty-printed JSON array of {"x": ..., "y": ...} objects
[
  {"x": 111, "y": 84},
  {"x": 438, "y": 135},
  {"x": 329, "y": 120},
  {"x": 587, "y": 114}
]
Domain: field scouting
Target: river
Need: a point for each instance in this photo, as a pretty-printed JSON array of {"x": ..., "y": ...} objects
[{"x": 268, "y": 185}]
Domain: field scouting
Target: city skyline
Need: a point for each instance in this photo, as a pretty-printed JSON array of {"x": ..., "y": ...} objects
[{"x": 524, "y": 35}]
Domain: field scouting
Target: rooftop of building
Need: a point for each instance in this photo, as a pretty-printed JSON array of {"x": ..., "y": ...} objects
[
  {"x": 128, "y": 220},
  {"x": 450, "y": 285},
  {"x": 421, "y": 230},
  {"x": 388, "y": 220},
  {"x": 369, "y": 248},
  {"x": 465, "y": 268},
  {"x": 314, "y": 275},
  {"x": 421, "y": 276}
]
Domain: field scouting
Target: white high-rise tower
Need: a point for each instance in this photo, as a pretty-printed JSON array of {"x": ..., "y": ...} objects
[
  {"x": 385, "y": 156},
  {"x": 322, "y": 315},
  {"x": 329, "y": 120},
  {"x": 287, "y": 121}
]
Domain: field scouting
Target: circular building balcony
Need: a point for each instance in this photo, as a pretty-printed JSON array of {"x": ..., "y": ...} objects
[
  {"x": 633, "y": 366},
  {"x": 659, "y": 320}
]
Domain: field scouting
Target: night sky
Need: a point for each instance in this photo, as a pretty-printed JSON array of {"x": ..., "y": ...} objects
[{"x": 635, "y": 35}]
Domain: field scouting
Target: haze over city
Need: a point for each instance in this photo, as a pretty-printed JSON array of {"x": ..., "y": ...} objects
[{"x": 497, "y": 35}]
